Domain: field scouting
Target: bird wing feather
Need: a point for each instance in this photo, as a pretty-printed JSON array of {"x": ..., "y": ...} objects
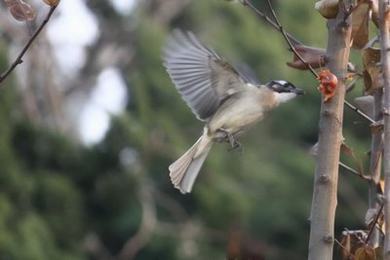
[{"x": 202, "y": 77}]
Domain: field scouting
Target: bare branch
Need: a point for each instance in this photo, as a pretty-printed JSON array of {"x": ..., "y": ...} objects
[
  {"x": 355, "y": 172},
  {"x": 268, "y": 20},
  {"x": 329, "y": 142},
  {"x": 358, "y": 111},
  {"x": 372, "y": 228},
  {"x": 19, "y": 59},
  {"x": 281, "y": 29},
  {"x": 291, "y": 41}
]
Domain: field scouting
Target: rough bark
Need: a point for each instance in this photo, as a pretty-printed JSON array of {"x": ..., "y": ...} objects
[
  {"x": 385, "y": 46},
  {"x": 330, "y": 137}
]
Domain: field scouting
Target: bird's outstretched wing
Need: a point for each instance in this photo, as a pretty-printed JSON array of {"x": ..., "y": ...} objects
[
  {"x": 247, "y": 73},
  {"x": 201, "y": 76}
]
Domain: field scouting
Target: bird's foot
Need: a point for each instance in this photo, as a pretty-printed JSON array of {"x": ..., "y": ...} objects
[
  {"x": 235, "y": 146},
  {"x": 228, "y": 137}
]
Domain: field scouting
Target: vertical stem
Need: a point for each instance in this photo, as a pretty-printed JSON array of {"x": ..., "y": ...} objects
[
  {"x": 330, "y": 136},
  {"x": 385, "y": 46},
  {"x": 375, "y": 163}
]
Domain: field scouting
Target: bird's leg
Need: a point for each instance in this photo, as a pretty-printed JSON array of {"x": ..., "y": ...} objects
[
  {"x": 233, "y": 142},
  {"x": 220, "y": 136},
  {"x": 230, "y": 139}
]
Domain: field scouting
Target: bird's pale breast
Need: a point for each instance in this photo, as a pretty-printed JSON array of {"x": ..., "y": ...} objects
[{"x": 238, "y": 113}]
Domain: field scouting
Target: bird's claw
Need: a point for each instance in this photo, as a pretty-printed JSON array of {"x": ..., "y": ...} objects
[
  {"x": 231, "y": 140},
  {"x": 235, "y": 146}
]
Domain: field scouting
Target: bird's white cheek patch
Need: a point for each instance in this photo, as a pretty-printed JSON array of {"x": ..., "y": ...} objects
[{"x": 284, "y": 97}]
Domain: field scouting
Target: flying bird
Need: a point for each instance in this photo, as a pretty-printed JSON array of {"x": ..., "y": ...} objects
[{"x": 228, "y": 99}]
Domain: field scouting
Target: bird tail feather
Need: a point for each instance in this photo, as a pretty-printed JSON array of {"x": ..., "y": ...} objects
[{"x": 183, "y": 171}]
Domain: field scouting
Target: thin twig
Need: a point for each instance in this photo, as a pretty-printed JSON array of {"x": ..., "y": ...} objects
[
  {"x": 277, "y": 25},
  {"x": 343, "y": 247},
  {"x": 267, "y": 19},
  {"x": 357, "y": 110},
  {"x": 281, "y": 29},
  {"x": 355, "y": 172},
  {"x": 374, "y": 224},
  {"x": 352, "y": 170},
  {"x": 339, "y": 243},
  {"x": 19, "y": 59}
]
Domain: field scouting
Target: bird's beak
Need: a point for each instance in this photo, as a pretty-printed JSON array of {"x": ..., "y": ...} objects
[{"x": 299, "y": 91}]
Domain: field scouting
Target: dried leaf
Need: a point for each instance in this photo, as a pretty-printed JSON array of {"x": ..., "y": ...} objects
[
  {"x": 20, "y": 10},
  {"x": 372, "y": 70},
  {"x": 52, "y": 2},
  {"x": 374, "y": 12},
  {"x": 327, "y": 8},
  {"x": 360, "y": 18},
  {"x": 313, "y": 56},
  {"x": 351, "y": 240},
  {"x": 382, "y": 185},
  {"x": 365, "y": 253},
  {"x": 345, "y": 149},
  {"x": 377, "y": 127},
  {"x": 346, "y": 247}
]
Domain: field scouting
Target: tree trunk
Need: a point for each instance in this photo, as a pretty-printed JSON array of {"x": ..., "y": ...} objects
[
  {"x": 330, "y": 137},
  {"x": 385, "y": 46}
]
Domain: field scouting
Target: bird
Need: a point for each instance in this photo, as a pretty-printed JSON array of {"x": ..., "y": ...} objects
[{"x": 227, "y": 98}]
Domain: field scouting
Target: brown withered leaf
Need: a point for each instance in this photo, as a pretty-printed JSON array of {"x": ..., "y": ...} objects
[
  {"x": 346, "y": 248},
  {"x": 374, "y": 12},
  {"x": 52, "y": 2},
  {"x": 348, "y": 151},
  {"x": 312, "y": 55},
  {"x": 365, "y": 253},
  {"x": 360, "y": 18},
  {"x": 345, "y": 149},
  {"x": 381, "y": 186},
  {"x": 351, "y": 240},
  {"x": 377, "y": 127},
  {"x": 372, "y": 74},
  {"x": 327, "y": 8},
  {"x": 20, "y": 10}
]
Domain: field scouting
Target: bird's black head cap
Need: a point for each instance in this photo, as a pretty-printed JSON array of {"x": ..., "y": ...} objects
[{"x": 282, "y": 86}]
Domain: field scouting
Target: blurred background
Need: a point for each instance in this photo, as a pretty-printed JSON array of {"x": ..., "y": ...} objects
[{"x": 90, "y": 122}]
